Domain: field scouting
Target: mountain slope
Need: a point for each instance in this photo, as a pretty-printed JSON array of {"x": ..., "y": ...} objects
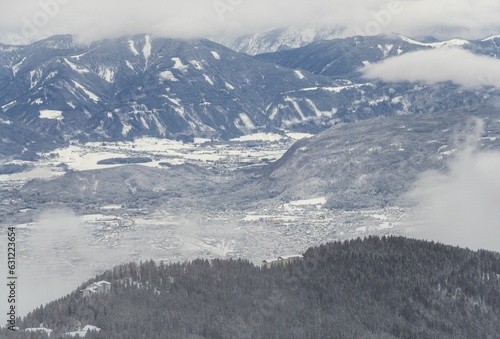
[
  {"x": 344, "y": 57},
  {"x": 122, "y": 88},
  {"x": 369, "y": 163},
  {"x": 136, "y": 86}
]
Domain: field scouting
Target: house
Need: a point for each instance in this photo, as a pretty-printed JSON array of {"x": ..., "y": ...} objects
[
  {"x": 288, "y": 259},
  {"x": 282, "y": 260},
  {"x": 268, "y": 263},
  {"x": 96, "y": 288}
]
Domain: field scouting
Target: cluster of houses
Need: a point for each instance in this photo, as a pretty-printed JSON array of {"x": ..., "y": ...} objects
[
  {"x": 96, "y": 288},
  {"x": 283, "y": 260}
]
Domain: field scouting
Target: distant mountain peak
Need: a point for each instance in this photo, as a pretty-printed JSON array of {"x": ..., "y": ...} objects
[{"x": 281, "y": 39}]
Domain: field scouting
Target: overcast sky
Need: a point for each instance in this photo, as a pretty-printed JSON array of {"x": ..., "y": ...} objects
[{"x": 93, "y": 19}]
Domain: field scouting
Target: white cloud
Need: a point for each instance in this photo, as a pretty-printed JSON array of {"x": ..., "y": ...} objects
[
  {"x": 438, "y": 65},
  {"x": 461, "y": 207},
  {"x": 92, "y": 19}
]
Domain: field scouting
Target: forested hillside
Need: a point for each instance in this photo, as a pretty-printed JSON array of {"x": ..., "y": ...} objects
[{"x": 373, "y": 288}]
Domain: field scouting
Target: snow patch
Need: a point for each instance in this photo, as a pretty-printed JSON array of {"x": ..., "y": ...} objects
[
  {"x": 247, "y": 121},
  {"x": 308, "y": 202},
  {"x": 91, "y": 95},
  {"x": 167, "y": 75},
  {"x": 129, "y": 65},
  {"x": 126, "y": 128},
  {"x": 51, "y": 114},
  {"x": 179, "y": 65},
  {"x": 297, "y": 107},
  {"x": 5, "y": 122},
  {"x": 207, "y": 78},
  {"x": 106, "y": 74},
  {"x": 76, "y": 68},
  {"x": 259, "y": 137},
  {"x": 8, "y": 106},
  {"x": 146, "y": 51},
  {"x": 299, "y": 74},
  {"x": 491, "y": 38},
  {"x": 16, "y": 67},
  {"x": 299, "y": 136},
  {"x": 131, "y": 45},
  {"x": 196, "y": 64},
  {"x": 173, "y": 100},
  {"x": 35, "y": 76},
  {"x": 447, "y": 43},
  {"x": 83, "y": 332},
  {"x": 216, "y": 55}
]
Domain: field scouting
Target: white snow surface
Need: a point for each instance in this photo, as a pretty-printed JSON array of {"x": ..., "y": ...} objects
[
  {"x": 91, "y": 95},
  {"x": 51, "y": 114},
  {"x": 76, "y": 68},
  {"x": 146, "y": 51},
  {"x": 314, "y": 201},
  {"x": 447, "y": 43},
  {"x": 83, "y": 331},
  {"x": 258, "y": 137},
  {"x": 216, "y": 55},
  {"x": 131, "y": 45},
  {"x": 179, "y": 65},
  {"x": 207, "y": 79},
  {"x": 299, "y": 74},
  {"x": 167, "y": 75}
]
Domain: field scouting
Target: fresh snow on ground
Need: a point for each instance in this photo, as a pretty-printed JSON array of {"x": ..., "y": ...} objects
[
  {"x": 51, "y": 114},
  {"x": 83, "y": 331},
  {"x": 146, "y": 51},
  {"x": 216, "y": 55},
  {"x": 299, "y": 74},
  {"x": 91, "y": 95},
  {"x": 259, "y": 136},
  {"x": 179, "y": 65},
  {"x": 131, "y": 45},
  {"x": 76, "y": 68},
  {"x": 167, "y": 75},
  {"x": 314, "y": 201},
  {"x": 207, "y": 79},
  {"x": 448, "y": 43}
]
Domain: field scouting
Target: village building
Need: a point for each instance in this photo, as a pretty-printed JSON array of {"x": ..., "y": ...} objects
[
  {"x": 288, "y": 259},
  {"x": 282, "y": 260},
  {"x": 268, "y": 263},
  {"x": 96, "y": 288}
]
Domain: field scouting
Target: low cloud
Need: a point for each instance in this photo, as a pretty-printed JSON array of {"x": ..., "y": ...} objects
[
  {"x": 436, "y": 66},
  {"x": 460, "y": 207}
]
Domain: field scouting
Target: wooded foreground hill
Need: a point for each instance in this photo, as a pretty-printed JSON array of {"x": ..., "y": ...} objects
[{"x": 365, "y": 288}]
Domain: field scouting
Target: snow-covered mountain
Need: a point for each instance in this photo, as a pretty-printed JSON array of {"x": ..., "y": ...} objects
[
  {"x": 122, "y": 88},
  {"x": 143, "y": 86},
  {"x": 344, "y": 57},
  {"x": 280, "y": 39},
  {"x": 370, "y": 163}
]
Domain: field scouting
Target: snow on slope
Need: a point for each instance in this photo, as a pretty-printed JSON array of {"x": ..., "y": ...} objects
[{"x": 447, "y": 43}]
